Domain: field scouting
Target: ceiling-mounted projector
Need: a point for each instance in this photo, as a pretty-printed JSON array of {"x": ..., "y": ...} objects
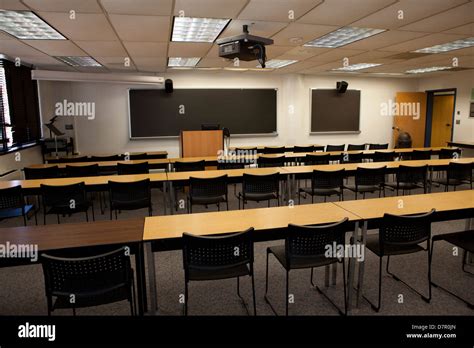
[{"x": 245, "y": 47}]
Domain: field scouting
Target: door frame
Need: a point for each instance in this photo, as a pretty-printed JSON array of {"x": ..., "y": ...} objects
[{"x": 430, "y": 94}]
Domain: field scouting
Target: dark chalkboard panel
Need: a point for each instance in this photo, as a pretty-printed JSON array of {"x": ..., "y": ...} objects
[
  {"x": 335, "y": 112},
  {"x": 154, "y": 113}
]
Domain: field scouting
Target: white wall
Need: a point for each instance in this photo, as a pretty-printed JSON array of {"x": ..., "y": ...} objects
[
  {"x": 464, "y": 82},
  {"x": 109, "y": 133}
]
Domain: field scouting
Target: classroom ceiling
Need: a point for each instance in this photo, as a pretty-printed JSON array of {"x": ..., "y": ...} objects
[{"x": 111, "y": 30}]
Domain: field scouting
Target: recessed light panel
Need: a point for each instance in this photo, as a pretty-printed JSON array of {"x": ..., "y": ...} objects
[
  {"x": 189, "y": 29},
  {"x": 359, "y": 66},
  {"x": 278, "y": 63},
  {"x": 79, "y": 61},
  {"x": 343, "y": 36},
  {"x": 25, "y": 25},
  {"x": 183, "y": 62},
  {"x": 450, "y": 46},
  {"x": 427, "y": 70}
]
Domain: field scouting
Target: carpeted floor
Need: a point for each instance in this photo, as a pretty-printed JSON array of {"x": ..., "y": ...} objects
[{"x": 22, "y": 287}]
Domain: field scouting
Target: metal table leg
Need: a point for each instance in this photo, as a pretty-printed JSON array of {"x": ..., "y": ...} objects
[
  {"x": 361, "y": 264},
  {"x": 165, "y": 200},
  {"x": 350, "y": 282},
  {"x": 141, "y": 281},
  {"x": 150, "y": 261},
  {"x": 171, "y": 197}
]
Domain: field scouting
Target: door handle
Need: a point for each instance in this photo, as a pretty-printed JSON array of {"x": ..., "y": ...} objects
[{"x": 448, "y": 125}]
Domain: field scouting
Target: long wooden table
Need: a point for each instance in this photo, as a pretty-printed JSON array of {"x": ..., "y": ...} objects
[{"x": 149, "y": 155}]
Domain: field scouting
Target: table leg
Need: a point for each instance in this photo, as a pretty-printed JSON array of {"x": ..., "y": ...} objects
[
  {"x": 326, "y": 276},
  {"x": 469, "y": 226},
  {"x": 350, "y": 276},
  {"x": 171, "y": 197},
  {"x": 334, "y": 273},
  {"x": 150, "y": 261},
  {"x": 361, "y": 264},
  {"x": 165, "y": 200},
  {"x": 141, "y": 281}
]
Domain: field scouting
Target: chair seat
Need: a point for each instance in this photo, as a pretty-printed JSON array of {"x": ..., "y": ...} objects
[
  {"x": 372, "y": 244},
  {"x": 259, "y": 196},
  {"x": 452, "y": 182},
  {"x": 14, "y": 212},
  {"x": 130, "y": 205},
  {"x": 363, "y": 188},
  {"x": 116, "y": 295},
  {"x": 300, "y": 262},
  {"x": 215, "y": 274},
  {"x": 321, "y": 191},
  {"x": 404, "y": 185},
  {"x": 65, "y": 210},
  {"x": 463, "y": 240},
  {"x": 208, "y": 200}
]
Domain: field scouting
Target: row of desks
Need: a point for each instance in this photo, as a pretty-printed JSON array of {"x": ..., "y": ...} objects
[{"x": 148, "y": 155}]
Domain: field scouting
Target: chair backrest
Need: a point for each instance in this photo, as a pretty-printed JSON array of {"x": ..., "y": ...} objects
[
  {"x": 230, "y": 165},
  {"x": 353, "y": 157},
  {"x": 219, "y": 252},
  {"x": 73, "y": 159},
  {"x": 412, "y": 174},
  {"x": 134, "y": 192},
  {"x": 263, "y": 162},
  {"x": 378, "y": 146},
  {"x": 138, "y": 156},
  {"x": 189, "y": 166},
  {"x": 460, "y": 171},
  {"x": 246, "y": 150},
  {"x": 208, "y": 187},
  {"x": 300, "y": 149},
  {"x": 11, "y": 198},
  {"x": 41, "y": 173},
  {"x": 322, "y": 179},
  {"x": 381, "y": 156},
  {"x": 82, "y": 171},
  {"x": 353, "y": 147},
  {"x": 370, "y": 176},
  {"x": 64, "y": 196},
  {"x": 417, "y": 155},
  {"x": 273, "y": 149},
  {"x": 314, "y": 160},
  {"x": 133, "y": 168},
  {"x": 311, "y": 241},
  {"x": 330, "y": 148},
  {"x": 86, "y": 275},
  {"x": 106, "y": 158},
  {"x": 318, "y": 148},
  {"x": 449, "y": 153},
  {"x": 260, "y": 183},
  {"x": 397, "y": 230}
]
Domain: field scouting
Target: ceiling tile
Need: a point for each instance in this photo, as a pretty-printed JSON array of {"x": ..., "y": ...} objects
[
  {"x": 14, "y": 5},
  {"x": 151, "y": 64},
  {"x": 116, "y": 63},
  {"x": 209, "y": 8},
  {"x": 188, "y": 49},
  {"x": 468, "y": 51},
  {"x": 335, "y": 55},
  {"x": 302, "y": 53},
  {"x": 79, "y": 6},
  {"x": 142, "y": 28},
  {"x": 138, "y": 7},
  {"x": 214, "y": 63},
  {"x": 6, "y": 36},
  {"x": 296, "y": 67},
  {"x": 343, "y": 12},
  {"x": 265, "y": 29},
  {"x": 384, "y": 39},
  {"x": 86, "y": 26},
  {"x": 425, "y": 41},
  {"x": 467, "y": 29},
  {"x": 102, "y": 48},
  {"x": 56, "y": 47},
  {"x": 275, "y": 51},
  {"x": 277, "y": 10},
  {"x": 146, "y": 49},
  {"x": 296, "y": 34},
  {"x": 371, "y": 55},
  {"x": 446, "y": 20},
  {"x": 15, "y": 48}
]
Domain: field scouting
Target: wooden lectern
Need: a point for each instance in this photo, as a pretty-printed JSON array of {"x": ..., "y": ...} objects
[{"x": 201, "y": 143}]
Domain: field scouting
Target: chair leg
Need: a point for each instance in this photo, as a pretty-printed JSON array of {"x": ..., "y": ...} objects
[
  {"x": 186, "y": 298},
  {"x": 93, "y": 213},
  {"x": 253, "y": 294},
  {"x": 287, "y": 292},
  {"x": 87, "y": 216},
  {"x": 57, "y": 215},
  {"x": 267, "y": 300},
  {"x": 374, "y": 307},
  {"x": 244, "y": 304}
]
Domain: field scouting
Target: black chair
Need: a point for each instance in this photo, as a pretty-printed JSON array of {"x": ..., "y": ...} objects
[
  {"x": 73, "y": 159},
  {"x": 313, "y": 160},
  {"x": 130, "y": 196},
  {"x": 41, "y": 173},
  {"x": 305, "y": 247},
  {"x": 90, "y": 281},
  {"x": 259, "y": 188},
  {"x": 230, "y": 165},
  {"x": 325, "y": 183},
  {"x": 378, "y": 146},
  {"x": 353, "y": 157},
  {"x": 246, "y": 150},
  {"x": 265, "y": 162},
  {"x": 106, "y": 158},
  {"x": 12, "y": 204},
  {"x": 381, "y": 156},
  {"x": 82, "y": 171},
  {"x": 205, "y": 191},
  {"x": 463, "y": 240},
  {"x": 449, "y": 153},
  {"x": 273, "y": 149},
  {"x": 318, "y": 148},
  {"x": 133, "y": 168},
  {"x": 189, "y": 166},
  {"x": 417, "y": 155},
  {"x": 301, "y": 149},
  {"x": 400, "y": 235},
  {"x": 352, "y": 147},
  {"x": 410, "y": 178},
  {"x": 222, "y": 257},
  {"x": 368, "y": 180},
  {"x": 138, "y": 156},
  {"x": 330, "y": 148},
  {"x": 66, "y": 200},
  {"x": 457, "y": 174}
]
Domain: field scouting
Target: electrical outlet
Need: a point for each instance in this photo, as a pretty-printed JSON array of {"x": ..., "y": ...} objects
[
  {"x": 458, "y": 121},
  {"x": 69, "y": 127}
]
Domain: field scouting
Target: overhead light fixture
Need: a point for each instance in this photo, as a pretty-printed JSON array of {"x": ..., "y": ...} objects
[
  {"x": 359, "y": 66},
  {"x": 189, "y": 29},
  {"x": 278, "y": 63},
  {"x": 427, "y": 70},
  {"x": 26, "y": 25},
  {"x": 183, "y": 62},
  {"x": 79, "y": 61},
  {"x": 449, "y": 46},
  {"x": 343, "y": 36}
]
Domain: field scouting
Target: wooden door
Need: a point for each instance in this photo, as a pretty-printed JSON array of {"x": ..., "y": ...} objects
[
  {"x": 442, "y": 120},
  {"x": 406, "y": 119}
]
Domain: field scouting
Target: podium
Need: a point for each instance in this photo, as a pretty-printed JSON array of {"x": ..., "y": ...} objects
[{"x": 201, "y": 143}]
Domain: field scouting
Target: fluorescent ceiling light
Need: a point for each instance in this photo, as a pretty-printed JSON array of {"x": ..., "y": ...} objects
[
  {"x": 343, "y": 36},
  {"x": 426, "y": 70},
  {"x": 79, "y": 61},
  {"x": 278, "y": 63},
  {"x": 450, "y": 46},
  {"x": 183, "y": 62},
  {"x": 189, "y": 29},
  {"x": 359, "y": 66},
  {"x": 26, "y": 25}
]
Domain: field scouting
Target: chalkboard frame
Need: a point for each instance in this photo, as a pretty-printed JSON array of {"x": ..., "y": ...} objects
[
  {"x": 270, "y": 134},
  {"x": 311, "y": 132}
]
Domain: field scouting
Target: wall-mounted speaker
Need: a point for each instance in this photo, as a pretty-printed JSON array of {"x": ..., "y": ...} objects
[
  {"x": 169, "y": 86},
  {"x": 341, "y": 86}
]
